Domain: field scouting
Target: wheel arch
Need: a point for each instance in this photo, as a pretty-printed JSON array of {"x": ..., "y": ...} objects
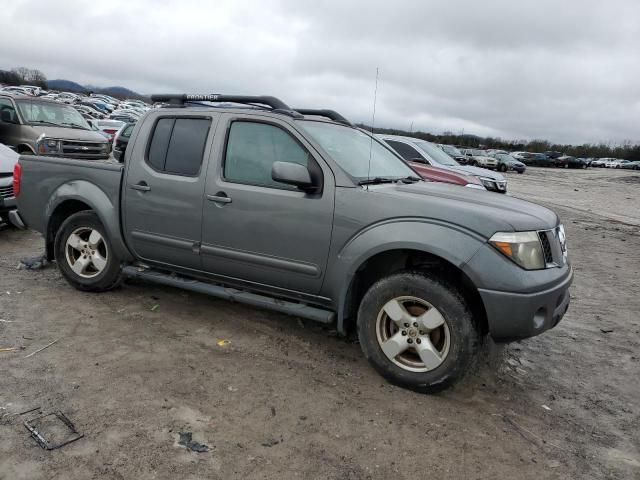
[
  {"x": 77, "y": 196},
  {"x": 425, "y": 246}
]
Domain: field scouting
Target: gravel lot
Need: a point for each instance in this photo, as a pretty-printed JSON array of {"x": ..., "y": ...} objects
[{"x": 286, "y": 399}]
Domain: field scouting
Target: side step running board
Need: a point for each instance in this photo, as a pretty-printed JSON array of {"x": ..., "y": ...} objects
[{"x": 232, "y": 294}]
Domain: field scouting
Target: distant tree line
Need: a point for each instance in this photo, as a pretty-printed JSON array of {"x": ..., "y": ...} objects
[
  {"x": 23, "y": 76},
  {"x": 626, "y": 150}
]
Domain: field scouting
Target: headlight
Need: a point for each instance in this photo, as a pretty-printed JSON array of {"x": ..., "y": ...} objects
[
  {"x": 524, "y": 248},
  {"x": 475, "y": 185},
  {"x": 488, "y": 183}
]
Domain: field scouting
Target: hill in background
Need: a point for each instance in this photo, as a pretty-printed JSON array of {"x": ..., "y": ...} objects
[{"x": 115, "y": 91}]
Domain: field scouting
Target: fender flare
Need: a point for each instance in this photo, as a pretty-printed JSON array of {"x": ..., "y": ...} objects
[
  {"x": 99, "y": 202},
  {"x": 452, "y": 243}
]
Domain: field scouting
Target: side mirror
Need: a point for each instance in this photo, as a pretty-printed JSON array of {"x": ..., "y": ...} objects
[
  {"x": 419, "y": 160},
  {"x": 292, "y": 174}
]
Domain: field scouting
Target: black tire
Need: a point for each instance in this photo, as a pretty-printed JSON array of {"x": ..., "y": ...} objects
[
  {"x": 106, "y": 278},
  {"x": 520, "y": 172},
  {"x": 502, "y": 167},
  {"x": 463, "y": 337}
]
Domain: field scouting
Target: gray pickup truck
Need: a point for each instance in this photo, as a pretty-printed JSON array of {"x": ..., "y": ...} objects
[{"x": 299, "y": 211}]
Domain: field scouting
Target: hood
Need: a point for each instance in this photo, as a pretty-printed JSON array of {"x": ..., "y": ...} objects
[
  {"x": 63, "y": 133},
  {"x": 478, "y": 172},
  {"x": 468, "y": 207},
  {"x": 516, "y": 163},
  {"x": 8, "y": 158}
]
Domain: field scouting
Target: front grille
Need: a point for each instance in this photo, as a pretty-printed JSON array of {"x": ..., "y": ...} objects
[
  {"x": 546, "y": 247},
  {"x": 75, "y": 149},
  {"x": 6, "y": 192}
]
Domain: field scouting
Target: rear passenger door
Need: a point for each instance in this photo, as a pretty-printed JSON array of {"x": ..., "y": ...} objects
[
  {"x": 164, "y": 187},
  {"x": 255, "y": 229}
]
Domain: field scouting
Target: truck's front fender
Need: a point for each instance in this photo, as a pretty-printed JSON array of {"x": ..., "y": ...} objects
[
  {"x": 97, "y": 200},
  {"x": 449, "y": 242}
]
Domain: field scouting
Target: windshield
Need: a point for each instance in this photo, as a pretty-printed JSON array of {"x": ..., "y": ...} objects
[
  {"x": 358, "y": 154},
  {"x": 435, "y": 154},
  {"x": 451, "y": 150},
  {"x": 478, "y": 153},
  {"x": 51, "y": 113}
]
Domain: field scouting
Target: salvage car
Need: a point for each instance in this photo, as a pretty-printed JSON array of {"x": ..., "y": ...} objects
[
  {"x": 455, "y": 153},
  {"x": 420, "y": 151},
  {"x": 507, "y": 162},
  {"x": 567, "y": 161},
  {"x": 31, "y": 124},
  {"x": 480, "y": 158},
  {"x": 121, "y": 140},
  {"x": 631, "y": 165},
  {"x": 8, "y": 160},
  {"x": 302, "y": 212}
]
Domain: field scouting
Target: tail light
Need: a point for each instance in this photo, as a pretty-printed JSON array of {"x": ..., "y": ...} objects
[
  {"x": 17, "y": 177},
  {"x": 110, "y": 131}
]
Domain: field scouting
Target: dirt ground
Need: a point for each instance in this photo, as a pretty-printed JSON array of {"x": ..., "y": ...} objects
[{"x": 284, "y": 398}]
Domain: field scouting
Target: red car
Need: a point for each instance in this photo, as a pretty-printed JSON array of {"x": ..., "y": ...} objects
[{"x": 437, "y": 174}]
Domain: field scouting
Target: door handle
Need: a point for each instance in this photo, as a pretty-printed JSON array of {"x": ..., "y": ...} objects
[
  {"x": 220, "y": 197},
  {"x": 141, "y": 186}
]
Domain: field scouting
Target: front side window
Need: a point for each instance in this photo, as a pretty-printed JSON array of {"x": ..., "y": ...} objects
[
  {"x": 358, "y": 154},
  {"x": 253, "y": 148},
  {"x": 177, "y": 145},
  {"x": 7, "y": 111},
  {"x": 405, "y": 151}
]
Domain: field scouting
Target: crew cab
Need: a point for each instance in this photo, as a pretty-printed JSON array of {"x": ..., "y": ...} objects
[
  {"x": 300, "y": 211},
  {"x": 31, "y": 125}
]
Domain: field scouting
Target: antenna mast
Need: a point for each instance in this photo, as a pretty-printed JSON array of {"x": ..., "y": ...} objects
[{"x": 373, "y": 121}]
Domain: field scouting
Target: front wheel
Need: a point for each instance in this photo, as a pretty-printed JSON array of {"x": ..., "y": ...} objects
[
  {"x": 85, "y": 255},
  {"x": 417, "y": 331},
  {"x": 502, "y": 168}
]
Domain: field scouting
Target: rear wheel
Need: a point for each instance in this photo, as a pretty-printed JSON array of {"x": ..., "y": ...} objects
[
  {"x": 84, "y": 254},
  {"x": 417, "y": 331}
]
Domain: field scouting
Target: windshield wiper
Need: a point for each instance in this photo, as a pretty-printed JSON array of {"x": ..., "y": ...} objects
[
  {"x": 45, "y": 122},
  {"x": 73, "y": 125},
  {"x": 376, "y": 180}
]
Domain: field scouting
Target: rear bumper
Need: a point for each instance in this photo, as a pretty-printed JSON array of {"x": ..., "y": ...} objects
[{"x": 521, "y": 315}]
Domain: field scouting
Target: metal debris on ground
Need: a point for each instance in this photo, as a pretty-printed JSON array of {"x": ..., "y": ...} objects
[
  {"x": 39, "y": 350},
  {"x": 186, "y": 440},
  {"x": 35, "y": 427},
  {"x": 155, "y": 307},
  {"x": 5, "y": 321},
  {"x": 223, "y": 343},
  {"x": 606, "y": 330},
  {"x": 7, "y": 349},
  {"x": 33, "y": 263}
]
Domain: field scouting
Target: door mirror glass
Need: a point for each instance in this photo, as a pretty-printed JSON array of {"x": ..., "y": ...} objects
[{"x": 292, "y": 174}]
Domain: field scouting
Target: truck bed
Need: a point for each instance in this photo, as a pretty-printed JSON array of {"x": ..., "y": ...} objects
[{"x": 45, "y": 179}]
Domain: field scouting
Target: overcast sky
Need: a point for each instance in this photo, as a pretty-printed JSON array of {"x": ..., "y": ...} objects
[{"x": 567, "y": 71}]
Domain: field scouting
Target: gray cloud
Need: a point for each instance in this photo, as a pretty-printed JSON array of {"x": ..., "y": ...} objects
[{"x": 564, "y": 71}]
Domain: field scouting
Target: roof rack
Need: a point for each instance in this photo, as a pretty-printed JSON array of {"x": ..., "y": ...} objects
[
  {"x": 331, "y": 114},
  {"x": 277, "y": 105}
]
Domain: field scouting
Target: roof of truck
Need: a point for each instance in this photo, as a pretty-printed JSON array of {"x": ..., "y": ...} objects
[{"x": 264, "y": 103}]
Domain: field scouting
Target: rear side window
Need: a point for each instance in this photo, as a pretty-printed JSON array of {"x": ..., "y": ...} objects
[
  {"x": 177, "y": 145},
  {"x": 404, "y": 150},
  {"x": 252, "y": 149}
]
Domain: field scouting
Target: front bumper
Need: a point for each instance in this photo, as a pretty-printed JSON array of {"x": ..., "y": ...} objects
[{"x": 521, "y": 315}]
